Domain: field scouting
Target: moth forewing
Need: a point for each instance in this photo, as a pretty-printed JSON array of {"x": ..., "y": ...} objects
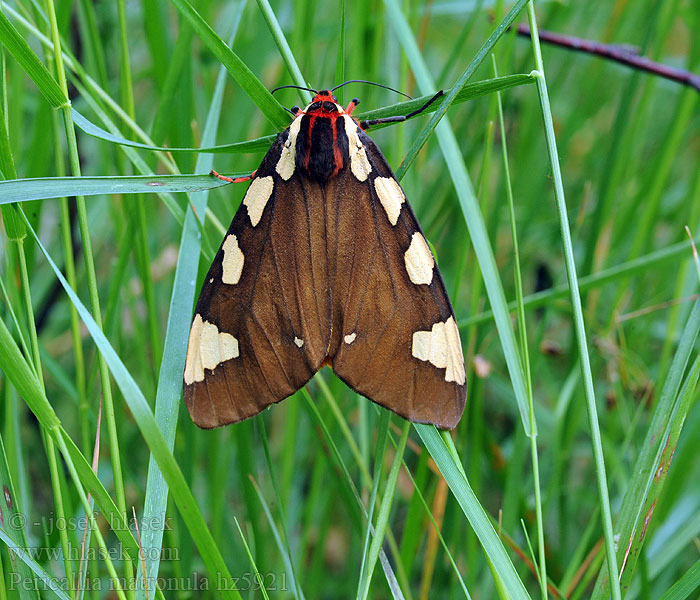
[{"x": 324, "y": 263}]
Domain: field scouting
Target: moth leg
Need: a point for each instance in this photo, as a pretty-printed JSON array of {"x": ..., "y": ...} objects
[
  {"x": 353, "y": 104},
  {"x": 213, "y": 173},
  {"x": 364, "y": 125}
]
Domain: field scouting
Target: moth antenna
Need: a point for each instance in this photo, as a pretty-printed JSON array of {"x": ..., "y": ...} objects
[
  {"x": 386, "y": 87},
  {"x": 296, "y": 87}
]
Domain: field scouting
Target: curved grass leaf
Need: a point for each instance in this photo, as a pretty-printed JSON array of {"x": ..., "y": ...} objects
[
  {"x": 249, "y": 83},
  {"x": 468, "y": 92},
  {"x": 49, "y": 583},
  {"x": 146, "y": 422},
  {"x": 12, "y": 526},
  {"x": 632, "y": 509},
  {"x": 169, "y": 391},
  {"x": 474, "y": 512},
  {"x": 18, "y": 371},
  {"x": 29, "y": 61},
  {"x": 21, "y": 190}
]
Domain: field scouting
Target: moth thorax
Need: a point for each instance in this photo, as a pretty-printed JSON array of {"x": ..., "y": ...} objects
[{"x": 322, "y": 146}]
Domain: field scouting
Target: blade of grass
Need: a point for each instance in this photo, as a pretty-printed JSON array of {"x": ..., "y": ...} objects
[
  {"x": 631, "y": 509},
  {"x": 49, "y": 581},
  {"x": 248, "y": 82},
  {"x": 283, "y": 46},
  {"x": 15, "y": 530},
  {"x": 31, "y": 64},
  {"x": 475, "y": 513},
  {"x": 152, "y": 435},
  {"x": 468, "y": 92},
  {"x": 258, "y": 577},
  {"x": 169, "y": 391},
  {"x": 281, "y": 545},
  {"x": 427, "y": 85},
  {"x": 579, "y": 325},
  {"x": 384, "y": 511},
  {"x": 364, "y": 579},
  {"x": 524, "y": 353},
  {"x": 19, "y": 190},
  {"x": 685, "y": 586}
]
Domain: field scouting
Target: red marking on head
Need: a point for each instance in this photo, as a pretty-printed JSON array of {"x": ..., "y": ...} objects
[{"x": 324, "y": 95}]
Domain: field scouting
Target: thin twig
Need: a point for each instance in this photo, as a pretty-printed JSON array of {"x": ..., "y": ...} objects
[{"x": 617, "y": 53}]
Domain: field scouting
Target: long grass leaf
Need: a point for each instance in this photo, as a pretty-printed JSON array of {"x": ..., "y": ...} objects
[{"x": 152, "y": 435}]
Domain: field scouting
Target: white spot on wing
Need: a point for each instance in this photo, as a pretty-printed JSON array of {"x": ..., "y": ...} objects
[
  {"x": 298, "y": 341},
  {"x": 419, "y": 260},
  {"x": 233, "y": 261},
  {"x": 391, "y": 196},
  {"x": 207, "y": 349},
  {"x": 441, "y": 347},
  {"x": 287, "y": 160},
  {"x": 359, "y": 164},
  {"x": 257, "y": 196},
  {"x": 350, "y": 338},
  {"x": 193, "y": 365}
]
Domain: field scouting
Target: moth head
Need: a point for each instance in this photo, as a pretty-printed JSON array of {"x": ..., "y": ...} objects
[{"x": 324, "y": 102}]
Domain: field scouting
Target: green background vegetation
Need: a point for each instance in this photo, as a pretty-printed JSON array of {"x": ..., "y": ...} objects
[{"x": 288, "y": 493}]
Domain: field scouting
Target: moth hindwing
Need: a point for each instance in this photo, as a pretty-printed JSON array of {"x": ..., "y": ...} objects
[{"x": 324, "y": 263}]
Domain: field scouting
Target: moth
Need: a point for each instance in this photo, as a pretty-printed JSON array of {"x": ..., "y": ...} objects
[{"x": 324, "y": 264}]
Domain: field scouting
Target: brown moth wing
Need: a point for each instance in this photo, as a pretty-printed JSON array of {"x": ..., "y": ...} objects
[
  {"x": 378, "y": 309},
  {"x": 278, "y": 312}
]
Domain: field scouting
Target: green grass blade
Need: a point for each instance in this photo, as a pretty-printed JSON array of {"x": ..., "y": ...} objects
[
  {"x": 90, "y": 128},
  {"x": 631, "y": 509},
  {"x": 169, "y": 391},
  {"x": 30, "y": 63},
  {"x": 425, "y": 79},
  {"x": 248, "y": 82},
  {"x": 468, "y": 92},
  {"x": 685, "y": 586},
  {"x": 258, "y": 577},
  {"x": 20, "y": 190},
  {"x": 579, "y": 325},
  {"x": 384, "y": 510},
  {"x": 283, "y": 47},
  {"x": 152, "y": 435},
  {"x": 13, "y": 528},
  {"x": 471, "y": 508},
  {"x": 24, "y": 585}
]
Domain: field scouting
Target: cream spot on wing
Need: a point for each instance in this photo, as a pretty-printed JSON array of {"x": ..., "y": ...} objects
[
  {"x": 257, "y": 196},
  {"x": 287, "y": 160},
  {"x": 441, "y": 347},
  {"x": 298, "y": 341},
  {"x": 391, "y": 196},
  {"x": 359, "y": 164},
  {"x": 350, "y": 338},
  {"x": 193, "y": 364},
  {"x": 207, "y": 349},
  {"x": 419, "y": 260},
  {"x": 233, "y": 261},
  {"x": 211, "y": 280}
]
